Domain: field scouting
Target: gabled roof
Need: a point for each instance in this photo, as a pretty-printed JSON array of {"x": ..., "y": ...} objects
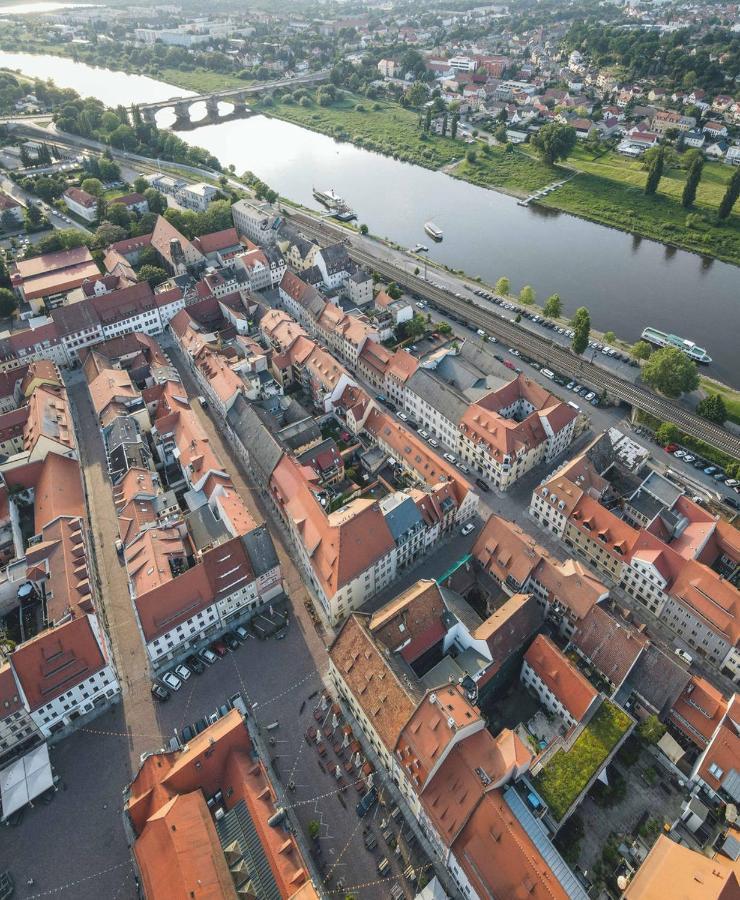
[
  {"x": 612, "y": 646},
  {"x": 57, "y": 660},
  {"x": 673, "y": 870},
  {"x": 561, "y": 677}
]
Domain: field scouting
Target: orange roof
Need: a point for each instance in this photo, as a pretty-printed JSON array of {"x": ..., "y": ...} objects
[
  {"x": 435, "y": 723},
  {"x": 407, "y": 620},
  {"x": 61, "y": 555},
  {"x": 58, "y": 491},
  {"x": 222, "y": 379},
  {"x": 403, "y": 365},
  {"x": 612, "y": 645},
  {"x": 221, "y": 758},
  {"x": 179, "y": 854},
  {"x": 561, "y": 677},
  {"x": 340, "y": 546},
  {"x": 388, "y": 702},
  {"x": 601, "y": 525},
  {"x": 48, "y": 416},
  {"x": 148, "y": 558},
  {"x": 475, "y": 765},
  {"x": 57, "y": 660},
  {"x": 723, "y": 753},
  {"x": 672, "y": 870},
  {"x": 112, "y": 386},
  {"x": 699, "y": 710},
  {"x": 500, "y": 859}
]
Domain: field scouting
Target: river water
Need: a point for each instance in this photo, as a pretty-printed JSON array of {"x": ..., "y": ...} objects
[{"x": 625, "y": 281}]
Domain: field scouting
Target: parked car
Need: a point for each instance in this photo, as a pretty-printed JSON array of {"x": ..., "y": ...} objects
[
  {"x": 241, "y": 632},
  {"x": 172, "y": 681},
  {"x": 671, "y": 448},
  {"x": 195, "y": 664},
  {"x": 159, "y": 692},
  {"x": 710, "y": 470},
  {"x": 182, "y": 672},
  {"x": 449, "y": 457},
  {"x": 433, "y": 443},
  {"x": 423, "y": 434},
  {"x": 689, "y": 458},
  {"x": 231, "y": 640},
  {"x": 219, "y": 648},
  {"x": 367, "y": 801},
  {"x": 482, "y": 485},
  {"x": 187, "y": 734},
  {"x": 682, "y": 654},
  {"x": 466, "y": 529},
  {"x": 589, "y": 396},
  {"x": 402, "y": 416},
  {"x": 731, "y": 502},
  {"x": 208, "y": 656},
  {"x": 679, "y": 454}
]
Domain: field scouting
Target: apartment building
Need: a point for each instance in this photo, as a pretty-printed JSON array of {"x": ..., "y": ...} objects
[
  {"x": 428, "y": 735},
  {"x": 642, "y": 533},
  {"x": 81, "y": 204},
  {"x": 183, "y": 809},
  {"x": 566, "y": 590},
  {"x": 559, "y": 686},
  {"x": 255, "y": 221}
]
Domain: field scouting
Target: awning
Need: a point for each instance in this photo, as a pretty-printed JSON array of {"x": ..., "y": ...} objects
[{"x": 25, "y": 779}]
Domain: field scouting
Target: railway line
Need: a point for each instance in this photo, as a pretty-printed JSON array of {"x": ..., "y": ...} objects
[{"x": 541, "y": 349}]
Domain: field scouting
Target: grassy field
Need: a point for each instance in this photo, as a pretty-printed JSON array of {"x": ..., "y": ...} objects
[
  {"x": 384, "y": 127},
  {"x": 199, "y": 80},
  {"x": 661, "y": 217},
  {"x": 567, "y": 774},
  {"x": 730, "y": 396},
  {"x": 514, "y": 172}
]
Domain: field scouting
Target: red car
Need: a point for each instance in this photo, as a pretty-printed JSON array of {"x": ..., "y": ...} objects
[
  {"x": 219, "y": 648},
  {"x": 670, "y": 448}
]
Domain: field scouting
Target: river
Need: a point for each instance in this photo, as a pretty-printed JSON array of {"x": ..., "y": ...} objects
[{"x": 626, "y": 282}]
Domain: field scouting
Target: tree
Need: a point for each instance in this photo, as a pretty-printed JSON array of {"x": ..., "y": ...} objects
[
  {"x": 140, "y": 184},
  {"x": 453, "y": 127},
  {"x": 444, "y": 124},
  {"x": 553, "y": 307},
  {"x": 731, "y": 195},
  {"x": 393, "y": 290},
  {"x": 500, "y": 133},
  {"x": 157, "y": 202},
  {"x": 527, "y": 295},
  {"x": 153, "y": 274},
  {"x": 8, "y": 220},
  {"x": 655, "y": 173},
  {"x": 641, "y": 350},
  {"x": 554, "y": 142},
  {"x": 671, "y": 372},
  {"x": 471, "y": 156},
  {"x": 117, "y": 214},
  {"x": 33, "y": 215},
  {"x": 667, "y": 433},
  {"x": 363, "y": 229},
  {"x": 692, "y": 182},
  {"x": 428, "y": 119},
  {"x": 93, "y": 186},
  {"x": 416, "y": 327},
  {"x": 713, "y": 408},
  {"x": 502, "y": 286},
  {"x": 106, "y": 233},
  {"x": 581, "y": 329},
  {"x": 651, "y": 729},
  {"x": 610, "y": 337},
  {"x": 8, "y": 303}
]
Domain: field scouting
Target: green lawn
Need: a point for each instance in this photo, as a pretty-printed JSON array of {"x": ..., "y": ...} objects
[
  {"x": 515, "y": 171},
  {"x": 730, "y": 396},
  {"x": 567, "y": 774},
  {"x": 661, "y": 217},
  {"x": 389, "y": 129},
  {"x": 200, "y": 80}
]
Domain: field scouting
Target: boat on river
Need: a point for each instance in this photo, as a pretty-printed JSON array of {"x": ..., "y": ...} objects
[
  {"x": 433, "y": 231},
  {"x": 664, "y": 339},
  {"x": 338, "y": 205}
]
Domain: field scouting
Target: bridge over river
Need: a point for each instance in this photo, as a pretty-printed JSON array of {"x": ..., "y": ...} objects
[{"x": 238, "y": 97}]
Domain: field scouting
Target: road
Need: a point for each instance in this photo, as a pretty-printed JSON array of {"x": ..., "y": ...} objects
[
  {"x": 118, "y": 613},
  {"x": 543, "y": 350}
]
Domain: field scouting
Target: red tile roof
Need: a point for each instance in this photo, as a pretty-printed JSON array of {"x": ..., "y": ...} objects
[{"x": 561, "y": 677}]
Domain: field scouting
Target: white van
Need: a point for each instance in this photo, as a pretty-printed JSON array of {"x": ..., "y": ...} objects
[
  {"x": 548, "y": 373},
  {"x": 575, "y": 406}
]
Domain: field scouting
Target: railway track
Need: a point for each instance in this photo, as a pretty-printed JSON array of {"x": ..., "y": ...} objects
[{"x": 541, "y": 349}]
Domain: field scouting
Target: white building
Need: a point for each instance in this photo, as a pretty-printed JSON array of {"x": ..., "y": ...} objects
[{"x": 196, "y": 196}]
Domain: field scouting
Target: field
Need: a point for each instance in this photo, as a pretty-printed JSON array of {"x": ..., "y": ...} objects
[
  {"x": 567, "y": 774},
  {"x": 199, "y": 80},
  {"x": 514, "y": 172},
  {"x": 730, "y": 396},
  {"x": 611, "y": 191},
  {"x": 384, "y": 127}
]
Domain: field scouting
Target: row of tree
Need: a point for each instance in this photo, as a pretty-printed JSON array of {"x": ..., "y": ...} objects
[{"x": 656, "y": 166}]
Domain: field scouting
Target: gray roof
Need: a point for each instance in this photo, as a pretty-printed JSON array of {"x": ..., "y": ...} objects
[
  {"x": 336, "y": 259},
  {"x": 261, "y": 550},
  {"x": 264, "y": 451},
  {"x": 658, "y": 678},
  {"x": 448, "y": 401},
  {"x": 122, "y": 430},
  {"x": 401, "y": 515},
  {"x": 312, "y": 276},
  {"x": 360, "y": 276},
  {"x": 205, "y": 529},
  {"x": 237, "y": 827}
]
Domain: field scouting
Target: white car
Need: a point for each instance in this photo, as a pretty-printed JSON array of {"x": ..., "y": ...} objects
[
  {"x": 492, "y": 340},
  {"x": 172, "y": 681},
  {"x": 466, "y": 529},
  {"x": 679, "y": 454},
  {"x": 182, "y": 672},
  {"x": 682, "y": 654},
  {"x": 423, "y": 434},
  {"x": 402, "y": 416},
  {"x": 449, "y": 457},
  {"x": 514, "y": 352}
]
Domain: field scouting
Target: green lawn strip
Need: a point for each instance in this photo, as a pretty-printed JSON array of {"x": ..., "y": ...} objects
[
  {"x": 730, "y": 396},
  {"x": 660, "y": 218},
  {"x": 516, "y": 172},
  {"x": 568, "y": 773},
  {"x": 390, "y": 129},
  {"x": 200, "y": 80}
]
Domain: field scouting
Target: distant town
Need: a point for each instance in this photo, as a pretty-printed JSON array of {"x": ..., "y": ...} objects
[{"x": 329, "y": 571}]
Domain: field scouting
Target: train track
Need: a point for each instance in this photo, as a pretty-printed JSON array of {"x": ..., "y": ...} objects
[{"x": 541, "y": 349}]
